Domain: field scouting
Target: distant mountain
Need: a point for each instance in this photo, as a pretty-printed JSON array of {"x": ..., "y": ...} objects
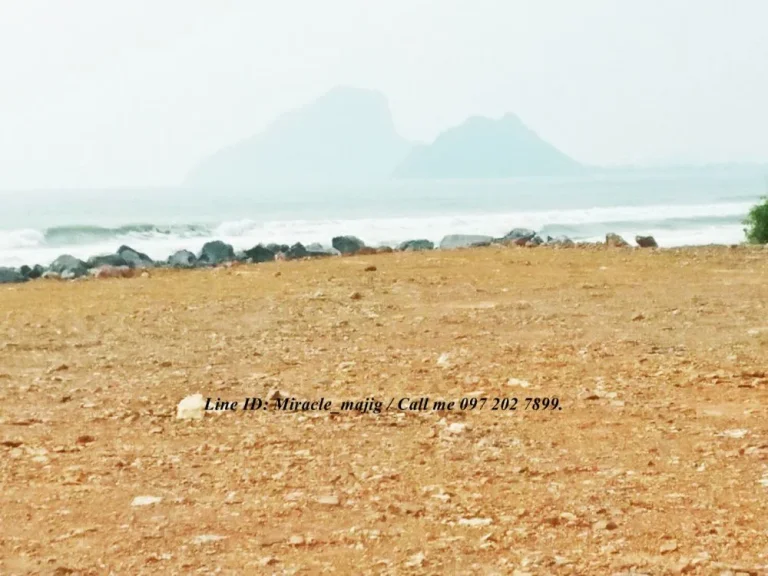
[
  {"x": 486, "y": 148},
  {"x": 347, "y": 135}
]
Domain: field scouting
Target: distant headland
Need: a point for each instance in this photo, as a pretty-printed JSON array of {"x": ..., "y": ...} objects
[{"x": 348, "y": 135}]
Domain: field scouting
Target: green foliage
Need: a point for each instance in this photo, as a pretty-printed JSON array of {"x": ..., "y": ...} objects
[{"x": 757, "y": 223}]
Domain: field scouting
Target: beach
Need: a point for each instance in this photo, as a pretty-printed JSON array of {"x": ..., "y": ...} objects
[{"x": 654, "y": 459}]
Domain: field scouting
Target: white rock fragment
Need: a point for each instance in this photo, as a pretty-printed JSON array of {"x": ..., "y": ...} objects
[
  {"x": 207, "y": 538},
  {"x": 736, "y": 433},
  {"x": 416, "y": 560},
  {"x": 444, "y": 360},
  {"x": 191, "y": 408},
  {"x": 456, "y": 427},
  {"x": 146, "y": 500},
  {"x": 475, "y": 522},
  {"x": 328, "y": 500},
  {"x": 519, "y": 383}
]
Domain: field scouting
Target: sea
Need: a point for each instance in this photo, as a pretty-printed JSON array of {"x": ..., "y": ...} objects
[{"x": 678, "y": 210}]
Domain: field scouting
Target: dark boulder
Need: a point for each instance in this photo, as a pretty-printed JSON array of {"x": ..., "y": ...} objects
[
  {"x": 260, "y": 253},
  {"x": 216, "y": 252},
  {"x": 67, "y": 266},
  {"x": 296, "y": 251},
  {"x": 134, "y": 258},
  {"x": 36, "y": 272},
  {"x": 276, "y": 248},
  {"x": 348, "y": 244},
  {"x": 464, "y": 241},
  {"x": 11, "y": 276},
  {"x": 615, "y": 241},
  {"x": 182, "y": 259},
  {"x": 108, "y": 260},
  {"x": 646, "y": 241},
  {"x": 415, "y": 245}
]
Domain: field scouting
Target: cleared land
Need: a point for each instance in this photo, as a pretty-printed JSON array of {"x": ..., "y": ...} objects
[{"x": 657, "y": 462}]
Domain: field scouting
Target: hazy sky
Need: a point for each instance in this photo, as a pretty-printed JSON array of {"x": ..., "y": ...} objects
[{"x": 133, "y": 92}]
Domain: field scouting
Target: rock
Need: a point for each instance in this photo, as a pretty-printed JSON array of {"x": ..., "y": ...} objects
[
  {"x": 314, "y": 252},
  {"x": 518, "y": 382},
  {"x": 415, "y": 245},
  {"x": 182, "y": 259},
  {"x": 646, "y": 242},
  {"x": 517, "y": 237},
  {"x": 475, "y": 522},
  {"x": 348, "y": 244},
  {"x": 328, "y": 500},
  {"x": 216, "y": 252},
  {"x": 615, "y": 241},
  {"x": 416, "y": 560},
  {"x": 134, "y": 258},
  {"x": 107, "y": 271},
  {"x": 453, "y": 241},
  {"x": 370, "y": 268},
  {"x": 35, "y": 272},
  {"x": 67, "y": 266},
  {"x": 191, "y": 408},
  {"x": 107, "y": 260},
  {"x": 384, "y": 250},
  {"x": 296, "y": 252},
  {"x": 260, "y": 253},
  {"x": 11, "y": 276},
  {"x": 456, "y": 428},
  {"x": 49, "y": 274},
  {"x": 275, "y": 248},
  {"x": 668, "y": 546},
  {"x": 207, "y": 539},
  {"x": 562, "y": 241},
  {"x": 444, "y": 360},
  {"x": 146, "y": 500},
  {"x": 355, "y": 296}
]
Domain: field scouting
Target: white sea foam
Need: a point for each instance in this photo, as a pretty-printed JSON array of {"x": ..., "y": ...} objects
[{"x": 672, "y": 225}]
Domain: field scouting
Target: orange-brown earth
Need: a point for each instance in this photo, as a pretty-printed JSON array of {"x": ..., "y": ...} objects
[{"x": 657, "y": 462}]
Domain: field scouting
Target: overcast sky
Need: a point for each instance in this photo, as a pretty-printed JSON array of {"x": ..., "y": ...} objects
[{"x": 133, "y": 92}]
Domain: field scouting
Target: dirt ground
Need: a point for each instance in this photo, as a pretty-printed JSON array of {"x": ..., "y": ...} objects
[{"x": 654, "y": 459}]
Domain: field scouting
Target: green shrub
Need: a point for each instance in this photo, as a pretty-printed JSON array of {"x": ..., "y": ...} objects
[{"x": 757, "y": 223}]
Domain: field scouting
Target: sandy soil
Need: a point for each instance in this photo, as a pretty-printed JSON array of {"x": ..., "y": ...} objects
[{"x": 657, "y": 462}]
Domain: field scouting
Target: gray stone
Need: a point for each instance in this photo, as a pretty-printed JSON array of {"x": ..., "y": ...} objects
[
  {"x": 348, "y": 244},
  {"x": 415, "y": 245},
  {"x": 615, "y": 241},
  {"x": 464, "y": 241},
  {"x": 518, "y": 236},
  {"x": 11, "y": 276},
  {"x": 562, "y": 241},
  {"x": 107, "y": 260},
  {"x": 134, "y": 258},
  {"x": 67, "y": 266},
  {"x": 182, "y": 259},
  {"x": 216, "y": 252}
]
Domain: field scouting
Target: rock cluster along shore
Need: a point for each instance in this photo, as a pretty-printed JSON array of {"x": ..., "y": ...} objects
[{"x": 127, "y": 262}]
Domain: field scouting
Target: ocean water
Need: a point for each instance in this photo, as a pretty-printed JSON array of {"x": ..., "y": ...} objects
[{"x": 36, "y": 227}]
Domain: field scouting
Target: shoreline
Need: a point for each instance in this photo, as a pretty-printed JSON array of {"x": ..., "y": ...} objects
[{"x": 127, "y": 262}]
